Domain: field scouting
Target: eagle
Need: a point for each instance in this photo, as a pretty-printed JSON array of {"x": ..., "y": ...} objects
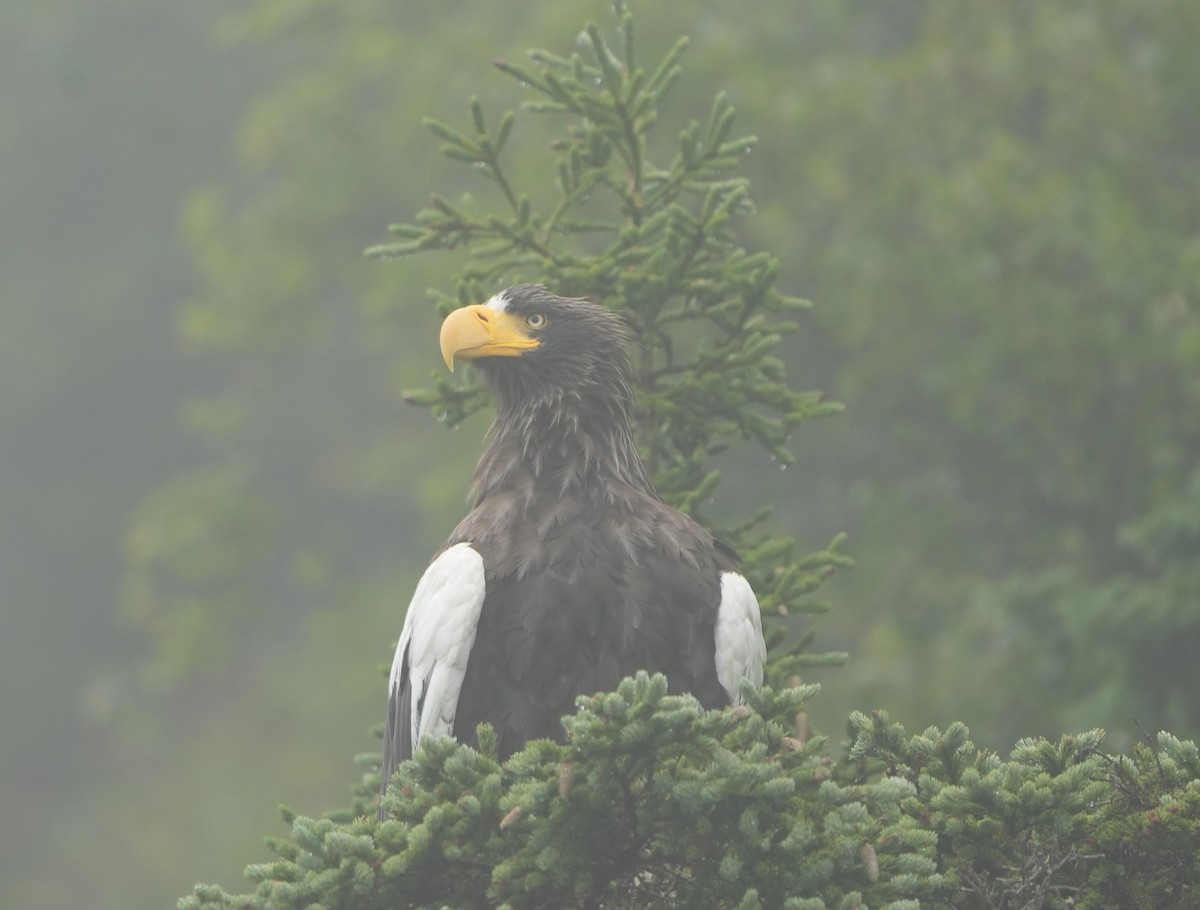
[{"x": 569, "y": 572}]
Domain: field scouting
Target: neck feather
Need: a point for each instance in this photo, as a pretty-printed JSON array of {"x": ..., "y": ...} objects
[{"x": 560, "y": 444}]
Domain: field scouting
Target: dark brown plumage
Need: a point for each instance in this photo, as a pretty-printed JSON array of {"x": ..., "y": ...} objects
[{"x": 577, "y": 574}]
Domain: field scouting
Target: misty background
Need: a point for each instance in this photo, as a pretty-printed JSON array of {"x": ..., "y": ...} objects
[{"x": 214, "y": 504}]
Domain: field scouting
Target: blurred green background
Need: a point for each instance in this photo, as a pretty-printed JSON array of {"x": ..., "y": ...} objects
[{"x": 213, "y": 504}]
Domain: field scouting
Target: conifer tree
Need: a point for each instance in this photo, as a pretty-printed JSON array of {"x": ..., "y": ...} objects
[
  {"x": 1056, "y": 825},
  {"x": 654, "y": 801}
]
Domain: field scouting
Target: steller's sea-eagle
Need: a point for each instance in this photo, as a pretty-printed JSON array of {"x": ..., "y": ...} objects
[{"x": 569, "y": 573}]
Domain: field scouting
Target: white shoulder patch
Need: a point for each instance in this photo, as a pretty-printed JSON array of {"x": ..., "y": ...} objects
[
  {"x": 439, "y": 632},
  {"x": 741, "y": 651}
]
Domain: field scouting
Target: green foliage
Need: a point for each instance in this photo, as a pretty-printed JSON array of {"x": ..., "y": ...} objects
[
  {"x": 994, "y": 205},
  {"x": 194, "y": 582},
  {"x": 1148, "y": 834},
  {"x": 994, "y": 202},
  {"x": 653, "y": 802},
  {"x": 659, "y": 242},
  {"x": 1057, "y": 825},
  {"x": 1008, "y": 831},
  {"x": 1138, "y": 618}
]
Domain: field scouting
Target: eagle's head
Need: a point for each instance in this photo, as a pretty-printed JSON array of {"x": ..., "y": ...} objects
[{"x": 535, "y": 348}]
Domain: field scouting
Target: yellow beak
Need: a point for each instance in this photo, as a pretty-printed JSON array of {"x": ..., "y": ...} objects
[{"x": 479, "y": 331}]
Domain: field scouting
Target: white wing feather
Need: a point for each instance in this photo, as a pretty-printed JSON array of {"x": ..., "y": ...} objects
[
  {"x": 741, "y": 651},
  {"x": 439, "y": 632}
]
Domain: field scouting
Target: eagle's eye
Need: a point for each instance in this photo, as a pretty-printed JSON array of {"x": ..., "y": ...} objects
[{"x": 535, "y": 320}]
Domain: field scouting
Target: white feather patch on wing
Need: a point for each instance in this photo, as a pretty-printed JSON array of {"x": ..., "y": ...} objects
[
  {"x": 439, "y": 632},
  {"x": 741, "y": 651}
]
